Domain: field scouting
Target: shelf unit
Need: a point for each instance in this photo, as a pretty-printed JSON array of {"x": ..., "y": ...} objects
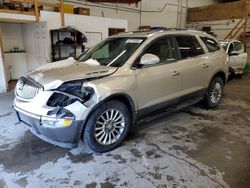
[{"x": 65, "y": 42}]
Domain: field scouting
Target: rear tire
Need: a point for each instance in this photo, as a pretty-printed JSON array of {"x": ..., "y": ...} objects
[
  {"x": 107, "y": 126},
  {"x": 231, "y": 74},
  {"x": 214, "y": 93}
]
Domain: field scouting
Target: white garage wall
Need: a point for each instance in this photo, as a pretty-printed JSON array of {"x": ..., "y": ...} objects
[
  {"x": 11, "y": 36},
  {"x": 3, "y": 79},
  {"x": 157, "y": 17},
  {"x": 166, "y": 13},
  {"x": 35, "y": 38},
  {"x": 3, "y": 72},
  {"x": 84, "y": 23},
  {"x": 160, "y": 16}
]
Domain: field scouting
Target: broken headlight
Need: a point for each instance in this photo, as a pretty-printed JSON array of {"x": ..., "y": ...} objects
[
  {"x": 70, "y": 92},
  {"x": 55, "y": 123}
]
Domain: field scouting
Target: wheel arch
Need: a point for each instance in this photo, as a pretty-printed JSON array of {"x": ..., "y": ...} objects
[
  {"x": 231, "y": 70},
  {"x": 220, "y": 74},
  {"x": 122, "y": 97},
  {"x": 127, "y": 100}
]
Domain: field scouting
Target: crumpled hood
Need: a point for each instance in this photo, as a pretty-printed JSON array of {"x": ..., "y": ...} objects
[{"x": 51, "y": 76}]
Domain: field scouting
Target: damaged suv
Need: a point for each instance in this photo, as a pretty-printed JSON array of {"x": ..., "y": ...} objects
[{"x": 98, "y": 96}]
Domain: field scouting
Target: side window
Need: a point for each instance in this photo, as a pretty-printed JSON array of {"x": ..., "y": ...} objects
[
  {"x": 211, "y": 44},
  {"x": 239, "y": 47},
  {"x": 188, "y": 46},
  {"x": 231, "y": 48},
  {"x": 163, "y": 48}
]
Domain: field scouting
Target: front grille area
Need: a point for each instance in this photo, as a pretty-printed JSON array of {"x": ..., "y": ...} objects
[{"x": 27, "y": 89}]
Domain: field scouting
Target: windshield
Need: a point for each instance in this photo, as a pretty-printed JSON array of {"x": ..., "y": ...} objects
[
  {"x": 224, "y": 45},
  {"x": 113, "y": 51}
]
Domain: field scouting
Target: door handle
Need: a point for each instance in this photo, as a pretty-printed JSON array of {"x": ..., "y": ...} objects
[
  {"x": 176, "y": 73},
  {"x": 205, "y": 66}
]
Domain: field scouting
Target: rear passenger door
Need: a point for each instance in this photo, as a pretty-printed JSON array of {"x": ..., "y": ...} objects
[
  {"x": 194, "y": 65},
  {"x": 216, "y": 56}
]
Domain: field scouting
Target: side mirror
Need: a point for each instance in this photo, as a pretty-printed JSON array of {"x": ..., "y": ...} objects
[
  {"x": 234, "y": 53},
  {"x": 149, "y": 59}
]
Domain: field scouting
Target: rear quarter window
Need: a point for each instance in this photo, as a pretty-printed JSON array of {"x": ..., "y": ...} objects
[
  {"x": 239, "y": 47},
  {"x": 188, "y": 46},
  {"x": 211, "y": 44}
]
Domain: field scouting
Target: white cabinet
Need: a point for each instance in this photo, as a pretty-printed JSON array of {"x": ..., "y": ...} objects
[{"x": 16, "y": 62}]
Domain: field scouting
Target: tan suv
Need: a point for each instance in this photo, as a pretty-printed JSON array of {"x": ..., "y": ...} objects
[{"x": 101, "y": 94}]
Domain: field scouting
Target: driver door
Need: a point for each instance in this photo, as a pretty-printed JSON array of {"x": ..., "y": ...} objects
[{"x": 159, "y": 85}]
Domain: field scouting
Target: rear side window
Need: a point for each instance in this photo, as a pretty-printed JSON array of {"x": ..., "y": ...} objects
[
  {"x": 211, "y": 44},
  {"x": 239, "y": 47},
  {"x": 188, "y": 46}
]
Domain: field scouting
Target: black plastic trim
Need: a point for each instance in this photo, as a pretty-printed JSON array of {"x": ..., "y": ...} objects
[
  {"x": 167, "y": 105},
  {"x": 67, "y": 137}
]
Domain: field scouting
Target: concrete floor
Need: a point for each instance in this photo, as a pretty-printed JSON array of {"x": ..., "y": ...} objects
[{"x": 193, "y": 148}]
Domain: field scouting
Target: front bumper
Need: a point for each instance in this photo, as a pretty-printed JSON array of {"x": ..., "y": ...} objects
[{"x": 67, "y": 137}]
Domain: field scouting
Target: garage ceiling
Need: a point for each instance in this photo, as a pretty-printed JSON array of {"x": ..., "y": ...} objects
[{"x": 115, "y": 1}]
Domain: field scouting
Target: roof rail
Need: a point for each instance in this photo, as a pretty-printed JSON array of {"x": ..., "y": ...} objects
[{"x": 153, "y": 30}]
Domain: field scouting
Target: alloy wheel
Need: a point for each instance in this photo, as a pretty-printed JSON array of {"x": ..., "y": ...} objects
[
  {"x": 109, "y": 127},
  {"x": 216, "y": 93}
]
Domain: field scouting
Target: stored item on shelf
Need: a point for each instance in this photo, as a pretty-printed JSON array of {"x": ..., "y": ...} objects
[
  {"x": 66, "y": 42},
  {"x": 82, "y": 11},
  {"x": 67, "y": 8}
]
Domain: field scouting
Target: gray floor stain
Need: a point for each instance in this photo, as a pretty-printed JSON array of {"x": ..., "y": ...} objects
[
  {"x": 30, "y": 154},
  {"x": 17, "y": 123},
  {"x": 200, "y": 115},
  {"x": 236, "y": 167},
  {"x": 22, "y": 182},
  {"x": 118, "y": 158},
  {"x": 81, "y": 158},
  {"x": 5, "y": 115},
  {"x": 63, "y": 181},
  {"x": 114, "y": 178},
  {"x": 77, "y": 183},
  {"x": 136, "y": 152},
  {"x": 153, "y": 154},
  {"x": 2, "y": 184},
  {"x": 107, "y": 185},
  {"x": 91, "y": 185},
  {"x": 125, "y": 184}
]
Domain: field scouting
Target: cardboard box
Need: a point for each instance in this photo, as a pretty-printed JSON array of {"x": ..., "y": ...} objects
[
  {"x": 82, "y": 11},
  {"x": 68, "y": 9}
]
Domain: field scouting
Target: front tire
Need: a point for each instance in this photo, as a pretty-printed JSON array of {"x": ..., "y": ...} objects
[
  {"x": 107, "y": 126},
  {"x": 214, "y": 93}
]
